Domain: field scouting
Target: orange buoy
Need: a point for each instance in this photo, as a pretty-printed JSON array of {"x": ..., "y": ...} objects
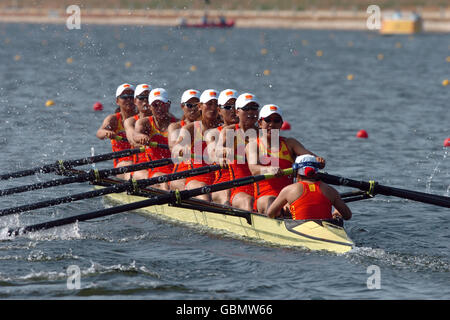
[
  {"x": 97, "y": 106},
  {"x": 447, "y": 142},
  {"x": 286, "y": 126},
  {"x": 362, "y": 134}
]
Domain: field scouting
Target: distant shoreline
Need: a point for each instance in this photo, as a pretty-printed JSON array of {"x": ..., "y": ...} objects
[{"x": 433, "y": 20}]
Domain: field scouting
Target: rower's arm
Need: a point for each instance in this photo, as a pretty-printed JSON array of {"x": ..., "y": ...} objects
[
  {"x": 128, "y": 125},
  {"x": 341, "y": 208},
  {"x": 173, "y": 133},
  {"x": 298, "y": 149},
  {"x": 140, "y": 134},
  {"x": 274, "y": 210},
  {"x": 107, "y": 128}
]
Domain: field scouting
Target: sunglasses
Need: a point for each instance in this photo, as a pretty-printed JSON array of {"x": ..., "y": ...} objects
[
  {"x": 190, "y": 105},
  {"x": 275, "y": 120},
  {"x": 126, "y": 96},
  {"x": 226, "y": 107},
  {"x": 142, "y": 97},
  {"x": 246, "y": 108}
]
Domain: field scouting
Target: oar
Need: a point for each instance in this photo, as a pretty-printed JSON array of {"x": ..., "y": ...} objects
[
  {"x": 173, "y": 196},
  {"x": 129, "y": 186},
  {"x": 150, "y": 144},
  {"x": 90, "y": 175},
  {"x": 374, "y": 188},
  {"x": 62, "y": 165}
]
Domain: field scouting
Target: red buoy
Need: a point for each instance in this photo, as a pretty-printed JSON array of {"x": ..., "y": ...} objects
[
  {"x": 447, "y": 142},
  {"x": 286, "y": 126},
  {"x": 362, "y": 134},
  {"x": 97, "y": 106}
]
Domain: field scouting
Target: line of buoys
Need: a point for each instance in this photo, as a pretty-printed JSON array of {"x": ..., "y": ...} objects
[
  {"x": 447, "y": 142},
  {"x": 97, "y": 106},
  {"x": 362, "y": 134},
  {"x": 286, "y": 126}
]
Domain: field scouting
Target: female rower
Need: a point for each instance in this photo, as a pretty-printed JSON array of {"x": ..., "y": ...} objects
[
  {"x": 227, "y": 113},
  {"x": 191, "y": 113},
  {"x": 154, "y": 129},
  {"x": 192, "y": 140},
  {"x": 141, "y": 101},
  {"x": 113, "y": 125},
  {"x": 270, "y": 153},
  {"x": 309, "y": 198},
  {"x": 234, "y": 146}
]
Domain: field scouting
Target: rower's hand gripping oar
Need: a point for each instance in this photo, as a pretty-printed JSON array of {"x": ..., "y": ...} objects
[
  {"x": 91, "y": 175},
  {"x": 131, "y": 186},
  {"x": 173, "y": 196},
  {"x": 374, "y": 188}
]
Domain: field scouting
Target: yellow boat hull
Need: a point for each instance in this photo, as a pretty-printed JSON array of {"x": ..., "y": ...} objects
[
  {"x": 391, "y": 27},
  {"x": 312, "y": 235}
]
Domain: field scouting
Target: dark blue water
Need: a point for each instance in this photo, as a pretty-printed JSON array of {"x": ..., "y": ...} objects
[{"x": 399, "y": 100}]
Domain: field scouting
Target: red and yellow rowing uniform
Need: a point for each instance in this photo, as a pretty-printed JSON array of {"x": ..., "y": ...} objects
[
  {"x": 120, "y": 145},
  {"x": 139, "y": 157},
  {"x": 240, "y": 170},
  {"x": 272, "y": 187},
  {"x": 222, "y": 175},
  {"x": 312, "y": 204},
  {"x": 156, "y": 153},
  {"x": 181, "y": 166},
  {"x": 197, "y": 160}
]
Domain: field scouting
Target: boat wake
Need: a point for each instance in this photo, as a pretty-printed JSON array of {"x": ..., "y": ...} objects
[{"x": 400, "y": 261}]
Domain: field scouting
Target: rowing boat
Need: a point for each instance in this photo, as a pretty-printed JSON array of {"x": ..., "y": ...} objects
[{"x": 314, "y": 235}]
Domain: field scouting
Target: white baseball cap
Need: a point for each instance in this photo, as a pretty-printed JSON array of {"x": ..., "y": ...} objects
[
  {"x": 245, "y": 99},
  {"x": 189, "y": 94},
  {"x": 123, "y": 87},
  {"x": 226, "y": 95},
  {"x": 268, "y": 110},
  {"x": 158, "y": 94},
  {"x": 306, "y": 165},
  {"x": 208, "y": 95},
  {"x": 141, "y": 88}
]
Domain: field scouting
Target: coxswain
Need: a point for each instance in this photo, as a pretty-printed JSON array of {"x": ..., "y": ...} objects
[
  {"x": 228, "y": 116},
  {"x": 194, "y": 143},
  {"x": 234, "y": 148},
  {"x": 271, "y": 153},
  {"x": 141, "y": 102},
  {"x": 189, "y": 105},
  {"x": 309, "y": 198},
  {"x": 113, "y": 126},
  {"x": 154, "y": 129}
]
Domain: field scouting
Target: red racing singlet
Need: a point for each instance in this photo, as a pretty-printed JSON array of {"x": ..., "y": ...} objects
[
  {"x": 156, "y": 153},
  {"x": 120, "y": 145},
  {"x": 312, "y": 204}
]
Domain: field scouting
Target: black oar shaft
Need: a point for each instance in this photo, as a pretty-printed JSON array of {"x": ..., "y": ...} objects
[
  {"x": 120, "y": 187},
  {"x": 156, "y": 200},
  {"x": 67, "y": 164},
  {"x": 375, "y": 188},
  {"x": 86, "y": 176}
]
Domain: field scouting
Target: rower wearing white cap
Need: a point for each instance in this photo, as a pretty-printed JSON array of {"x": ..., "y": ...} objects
[
  {"x": 309, "y": 198},
  {"x": 247, "y": 111},
  {"x": 154, "y": 129},
  {"x": 141, "y": 102},
  {"x": 192, "y": 140},
  {"x": 189, "y": 105},
  {"x": 113, "y": 125},
  {"x": 271, "y": 154},
  {"x": 227, "y": 113}
]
